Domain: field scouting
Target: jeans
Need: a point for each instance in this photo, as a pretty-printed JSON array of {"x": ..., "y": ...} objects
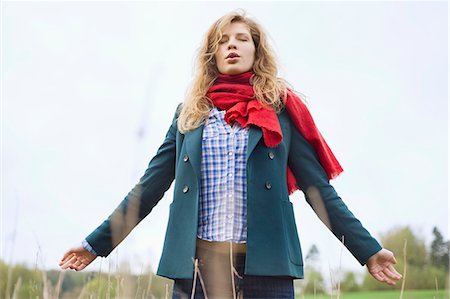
[{"x": 215, "y": 270}]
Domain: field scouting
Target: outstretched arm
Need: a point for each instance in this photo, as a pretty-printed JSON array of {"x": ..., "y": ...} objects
[
  {"x": 136, "y": 205},
  {"x": 330, "y": 208},
  {"x": 140, "y": 200}
]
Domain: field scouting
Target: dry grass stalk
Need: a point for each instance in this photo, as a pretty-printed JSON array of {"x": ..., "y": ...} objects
[
  {"x": 138, "y": 288},
  {"x": 437, "y": 287},
  {"x": 318, "y": 205},
  {"x": 149, "y": 285},
  {"x": 195, "y": 278},
  {"x": 404, "y": 269},
  {"x": 340, "y": 268},
  {"x": 9, "y": 265},
  {"x": 315, "y": 288},
  {"x": 8, "y": 282},
  {"x": 59, "y": 284},
  {"x": 17, "y": 288},
  {"x": 83, "y": 291},
  {"x": 46, "y": 286},
  {"x": 232, "y": 270},
  {"x": 118, "y": 289},
  {"x": 200, "y": 277},
  {"x": 117, "y": 275},
  {"x": 331, "y": 280},
  {"x": 127, "y": 287},
  {"x": 99, "y": 275},
  {"x": 108, "y": 293},
  {"x": 122, "y": 222}
]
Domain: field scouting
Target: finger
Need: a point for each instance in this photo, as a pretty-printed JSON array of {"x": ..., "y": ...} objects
[
  {"x": 67, "y": 254},
  {"x": 69, "y": 262},
  {"x": 382, "y": 277},
  {"x": 393, "y": 260},
  {"x": 379, "y": 276},
  {"x": 390, "y": 281},
  {"x": 81, "y": 266},
  {"x": 77, "y": 263},
  {"x": 390, "y": 274},
  {"x": 387, "y": 280},
  {"x": 76, "y": 268},
  {"x": 395, "y": 273}
]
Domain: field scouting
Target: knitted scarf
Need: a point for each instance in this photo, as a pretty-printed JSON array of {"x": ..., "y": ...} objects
[{"x": 235, "y": 94}]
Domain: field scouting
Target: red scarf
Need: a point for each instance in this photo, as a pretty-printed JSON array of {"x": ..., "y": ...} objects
[{"x": 235, "y": 94}]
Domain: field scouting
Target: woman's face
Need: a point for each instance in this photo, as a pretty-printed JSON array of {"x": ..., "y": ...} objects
[{"x": 236, "y": 52}]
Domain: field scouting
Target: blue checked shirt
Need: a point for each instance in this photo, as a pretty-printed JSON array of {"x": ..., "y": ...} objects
[{"x": 223, "y": 187}]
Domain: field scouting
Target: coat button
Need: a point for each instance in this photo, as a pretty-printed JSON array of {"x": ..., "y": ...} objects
[
  {"x": 185, "y": 189},
  {"x": 185, "y": 158},
  {"x": 271, "y": 155},
  {"x": 268, "y": 185}
]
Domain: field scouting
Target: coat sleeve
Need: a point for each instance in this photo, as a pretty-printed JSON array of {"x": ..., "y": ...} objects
[
  {"x": 139, "y": 202},
  {"x": 326, "y": 203}
]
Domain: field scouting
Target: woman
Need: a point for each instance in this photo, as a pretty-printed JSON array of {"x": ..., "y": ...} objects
[{"x": 238, "y": 146}]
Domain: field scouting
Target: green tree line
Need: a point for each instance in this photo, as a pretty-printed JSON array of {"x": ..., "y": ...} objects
[{"x": 422, "y": 267}]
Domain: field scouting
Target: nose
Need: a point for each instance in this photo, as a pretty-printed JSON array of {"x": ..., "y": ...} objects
[{"x": 231, "y": 44}]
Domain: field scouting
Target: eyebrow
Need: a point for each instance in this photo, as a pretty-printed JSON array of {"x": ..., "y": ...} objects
[{"x": 238, "y": 34}]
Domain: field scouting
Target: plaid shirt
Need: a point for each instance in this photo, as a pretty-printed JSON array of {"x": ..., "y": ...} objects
[{"x": 223, "y": 189}]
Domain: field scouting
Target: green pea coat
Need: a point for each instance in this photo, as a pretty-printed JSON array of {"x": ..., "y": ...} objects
[{"x": 273, "y": 247}]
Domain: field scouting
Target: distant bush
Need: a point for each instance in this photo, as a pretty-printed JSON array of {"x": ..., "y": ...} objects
[
  {"x": 34, "y": 283},
  {"x": 423, "y": 268}
]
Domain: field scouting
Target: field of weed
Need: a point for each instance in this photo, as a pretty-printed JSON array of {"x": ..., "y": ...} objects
[{"x": 411, "y": 294}]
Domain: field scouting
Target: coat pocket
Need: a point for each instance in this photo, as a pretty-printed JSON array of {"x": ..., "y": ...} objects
[{"x": 291, "y": 234}]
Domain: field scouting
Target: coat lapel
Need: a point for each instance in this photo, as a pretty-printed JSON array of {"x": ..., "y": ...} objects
[
  {"x": 193, "y": 141},
  {"x": 254, "y": 134}
]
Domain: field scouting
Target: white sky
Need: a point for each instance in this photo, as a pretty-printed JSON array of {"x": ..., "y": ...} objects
[{"x": 81, "y": 79}]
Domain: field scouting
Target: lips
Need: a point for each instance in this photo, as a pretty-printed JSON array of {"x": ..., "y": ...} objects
[{"x": 232, "y": 55}]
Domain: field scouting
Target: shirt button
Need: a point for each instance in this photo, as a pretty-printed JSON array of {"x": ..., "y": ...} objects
[
  {"x": 268, "y": 185},
  {"x": 230, "y": 175},
  {"x": 185, "y": 189},
  {"x": 185, "y": 158},
  {"x": 271, "y": 155},
  {"x": 230, "y": 195},
  {"x": 230, "y": 153}
]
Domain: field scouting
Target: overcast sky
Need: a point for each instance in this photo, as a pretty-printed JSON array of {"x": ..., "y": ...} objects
[{"x": 89, "y": 90}]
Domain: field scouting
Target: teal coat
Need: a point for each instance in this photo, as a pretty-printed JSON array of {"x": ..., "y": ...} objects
[{"x": 273, "y": 247}]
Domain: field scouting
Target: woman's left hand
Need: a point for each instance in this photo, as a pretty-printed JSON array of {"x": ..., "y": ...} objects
[{"x": 380, "y": 266}]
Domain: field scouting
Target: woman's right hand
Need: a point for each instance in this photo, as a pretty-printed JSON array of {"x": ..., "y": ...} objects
[{"x": 77, "y": 258}]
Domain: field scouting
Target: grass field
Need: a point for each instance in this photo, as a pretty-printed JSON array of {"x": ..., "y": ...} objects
[{"x": 421, "y": 294}]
